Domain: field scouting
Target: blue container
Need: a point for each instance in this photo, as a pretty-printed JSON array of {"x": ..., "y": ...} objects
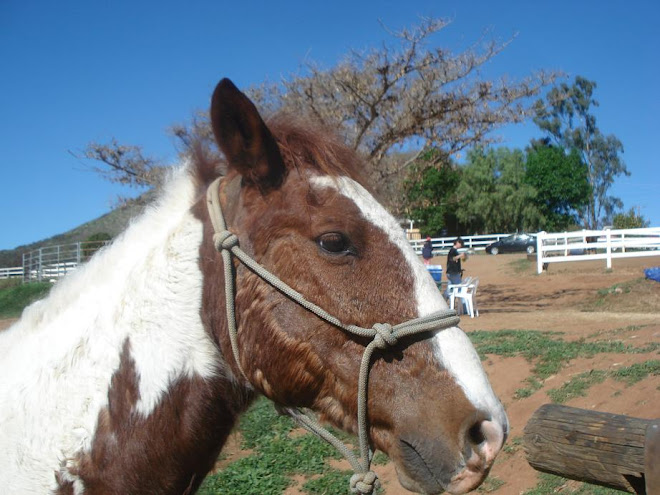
[
  {"x": 436, "y": 272},
  {"x": 653, "y": 273}
]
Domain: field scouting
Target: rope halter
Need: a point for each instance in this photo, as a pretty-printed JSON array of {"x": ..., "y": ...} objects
[{"x": 382, "y": 335}]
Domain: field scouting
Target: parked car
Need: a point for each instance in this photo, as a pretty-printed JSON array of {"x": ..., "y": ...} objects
[{"x": 516, "y": 243}]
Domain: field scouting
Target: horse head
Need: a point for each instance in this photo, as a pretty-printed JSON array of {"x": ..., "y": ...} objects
[{"x": 294, "y": 199}]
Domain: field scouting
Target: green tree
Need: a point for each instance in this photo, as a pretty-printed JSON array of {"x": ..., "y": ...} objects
[
  {"x": 566, "y": 116},
  {"x": 429, "y": 192},
  {"x": 561, "y": 183},
  {"x": 630, "y": 220},
  {"x": 493, "y": 195}
]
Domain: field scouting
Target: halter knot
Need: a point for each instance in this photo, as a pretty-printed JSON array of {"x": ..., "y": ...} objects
[
  {"x": 384, "y": 337},
  {"x": 225, "y": 240},
  {"x": 364, "y": 483}
]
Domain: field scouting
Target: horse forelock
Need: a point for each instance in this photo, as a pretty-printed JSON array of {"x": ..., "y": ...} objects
[
  {"x": 307, "y": 145},
  {"x": 304, "y": 144}
]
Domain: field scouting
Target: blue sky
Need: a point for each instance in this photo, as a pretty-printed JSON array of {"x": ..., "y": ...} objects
[{"x": 81, "y": 71}]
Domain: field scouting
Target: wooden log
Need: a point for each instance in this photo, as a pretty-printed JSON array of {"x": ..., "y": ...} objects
[
  {"x": 594, "y": 447},
  {"x": 652, "y": 457}
]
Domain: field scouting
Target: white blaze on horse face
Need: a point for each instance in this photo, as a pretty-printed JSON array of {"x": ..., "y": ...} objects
[
  {"x": 452, "y": 347},
  {"x": 428, "y": 298}
]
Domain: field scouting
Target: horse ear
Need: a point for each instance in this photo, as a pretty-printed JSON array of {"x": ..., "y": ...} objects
[{"x": 244, "y": 138}]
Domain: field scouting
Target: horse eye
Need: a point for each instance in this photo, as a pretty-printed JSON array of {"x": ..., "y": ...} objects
[{"x": 335, "y": 243}]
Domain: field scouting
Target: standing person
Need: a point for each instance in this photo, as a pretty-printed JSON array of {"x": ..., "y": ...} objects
[
  {"x": 454, "y": 271},
  {"x": 427, "y": 251}
]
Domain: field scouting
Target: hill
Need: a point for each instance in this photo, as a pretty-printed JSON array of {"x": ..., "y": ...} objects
[{"x": 113, "y": 223}]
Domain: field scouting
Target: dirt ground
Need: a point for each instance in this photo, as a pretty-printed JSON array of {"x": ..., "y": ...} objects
[{"x": 512, "y": 296}]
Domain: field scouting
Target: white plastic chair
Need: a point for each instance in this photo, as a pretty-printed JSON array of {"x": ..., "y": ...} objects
[
  {"x": 466, "y": 292},
  {"x": 454, "y": 289}
]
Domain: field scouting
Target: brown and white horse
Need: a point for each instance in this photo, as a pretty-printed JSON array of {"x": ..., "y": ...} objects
[{"x": 123, "y": 380}]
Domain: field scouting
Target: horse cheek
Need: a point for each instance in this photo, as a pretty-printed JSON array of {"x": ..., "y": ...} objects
[{"x": 283, "y": 366}]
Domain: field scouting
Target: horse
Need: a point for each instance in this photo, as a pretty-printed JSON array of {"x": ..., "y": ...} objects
[{"x": 128, "y": 377}]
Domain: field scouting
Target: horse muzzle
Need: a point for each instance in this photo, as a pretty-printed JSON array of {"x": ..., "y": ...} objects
[{"x": 435, "y": 465}]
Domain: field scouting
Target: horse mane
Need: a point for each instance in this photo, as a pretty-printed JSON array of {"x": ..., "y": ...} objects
[
  {"x": 305, "y": 144},
  {"x": 113, "y": 262}
]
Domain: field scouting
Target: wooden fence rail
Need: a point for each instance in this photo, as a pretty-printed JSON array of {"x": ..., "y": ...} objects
[{"x": 612, "y": 450}]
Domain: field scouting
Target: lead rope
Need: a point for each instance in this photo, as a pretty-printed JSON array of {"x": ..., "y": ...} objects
[{"x": 382, "y": 335}]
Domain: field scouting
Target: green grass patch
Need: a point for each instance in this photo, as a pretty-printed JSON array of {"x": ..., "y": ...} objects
[
  {"x": 262, "y": 425},
  {"x": 490, "y": 485},
  {"x": 534, "y": 385},
  {"x": 616, "y": 331},
  {"x": 637, "y": 372},
  {"x": 636, "y": 296},
  {"x": 521, "y": 266},
  {"x": 623, "y": 288},
  {"x": 578, "y": 385},
  {"x": 277, "y": 456},
  {"x": 547, "y": 349},
  {"x": 16, "y": 297},
  {"x": 549, "y": 484},
  {"x": 332, "y": 483},
  {"x": 251, "y": 475},
  {"x": 513, "y": 445},
  {"x": 549, "y": 353}
]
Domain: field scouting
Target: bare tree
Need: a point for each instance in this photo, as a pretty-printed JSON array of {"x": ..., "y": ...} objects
[
  {"x": 403, "y": 96},
  {"x": 124, "y": 164},
  {"x": 197, "y": 132},
  {"x": 411, "y": 94}
]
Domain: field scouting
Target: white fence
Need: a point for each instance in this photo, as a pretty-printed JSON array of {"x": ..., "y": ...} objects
[
  {"x": 441, "y": 245},
  {"x": 48, "y": 272},
  {"x": 596, "y": 245},
  {"x": 12, "y": 272},
  {"x": 52, "y": 262}
]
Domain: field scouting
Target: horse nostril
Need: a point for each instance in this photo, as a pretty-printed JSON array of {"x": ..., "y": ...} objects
[
  {"x": 486, "y": 437},
  {"x": 476, "y": 435}
]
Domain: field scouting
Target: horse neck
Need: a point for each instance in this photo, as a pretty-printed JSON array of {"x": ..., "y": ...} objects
[
  {"x": 126, "y": 333},
  {"x": 145, "y": 288},
  {"x": 158, "y": 244}
]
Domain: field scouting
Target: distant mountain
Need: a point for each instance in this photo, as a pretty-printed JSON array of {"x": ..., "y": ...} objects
[{"x": 111, "y": 223}]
